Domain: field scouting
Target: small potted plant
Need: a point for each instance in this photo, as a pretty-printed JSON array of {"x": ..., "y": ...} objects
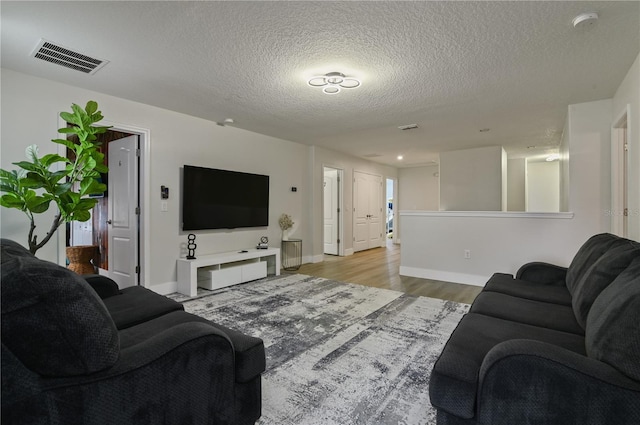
[
  {"x": 41, "y": 180},
  {"x": 285, "y": 223}
]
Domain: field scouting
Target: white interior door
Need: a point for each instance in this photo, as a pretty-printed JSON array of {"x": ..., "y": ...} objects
[
  {"x": 367, "y": 211},
  {"x": 123, "y": 211},
  {"x": 330, "y": 211}
]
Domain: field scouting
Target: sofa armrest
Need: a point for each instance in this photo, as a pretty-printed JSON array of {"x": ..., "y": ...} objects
[
  {"x": 545, "y": 273},
  {"x": 187, "y": 369},
  {"x": 104, "y": 286},
  {"x": 526, "y": 381}
]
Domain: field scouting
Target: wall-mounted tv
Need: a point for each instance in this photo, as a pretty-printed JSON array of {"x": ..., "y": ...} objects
[{"x": 222, "y": 199}]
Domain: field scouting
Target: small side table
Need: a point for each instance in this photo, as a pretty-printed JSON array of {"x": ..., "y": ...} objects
[{"x": 291, "y": 254}]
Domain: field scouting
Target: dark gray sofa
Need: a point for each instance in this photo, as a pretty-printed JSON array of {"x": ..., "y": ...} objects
[
  {"x": 550, "y": 346},
  {"x": 78, "y": 351}
]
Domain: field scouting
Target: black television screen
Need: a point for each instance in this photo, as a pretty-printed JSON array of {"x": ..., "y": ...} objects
[{"x": 221, "y": 199}]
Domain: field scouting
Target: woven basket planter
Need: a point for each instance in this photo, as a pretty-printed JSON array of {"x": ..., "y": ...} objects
[{"x": 80, "y": 258}]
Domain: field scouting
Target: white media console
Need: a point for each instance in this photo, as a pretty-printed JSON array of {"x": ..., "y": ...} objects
[{"x": 225, "y": 269}]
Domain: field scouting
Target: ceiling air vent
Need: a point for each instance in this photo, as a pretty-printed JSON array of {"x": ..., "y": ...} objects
[
  {"x": 63, "y": 56},
  {"x": 408, "y": 127}
]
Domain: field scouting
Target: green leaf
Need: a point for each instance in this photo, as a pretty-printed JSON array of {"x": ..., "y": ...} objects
[
  {"x": 91, "y": 107},
  {"x": 70, "y": 118},
  {"x": 67, "y": 143},
  {"x": 86, "y": 204},
  {"x": 29, "y": 166},
  {"x": 90, "y": 186},
  {"x": 59, "y": 189},
  {"x": 11, "y": 201},
  {"x": 54, "y": 178},
  {"x": 33, "y": 182},
  {"x": 38, "y": 204},
  {"x": 52, "y": 158},
  {"x": 31, "y": 152},
  {"x": 101, "y": 168},
  {"x": 90, "y": 163},
  {"x": 81, "y": 215},
  {"x": 68, "y": 130}
]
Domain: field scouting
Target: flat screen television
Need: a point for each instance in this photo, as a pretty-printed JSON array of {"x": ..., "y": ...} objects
[{"x": 222, "y": 199}]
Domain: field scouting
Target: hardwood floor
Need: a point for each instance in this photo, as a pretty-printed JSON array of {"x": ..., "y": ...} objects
[{"x": 379, "y": 267}]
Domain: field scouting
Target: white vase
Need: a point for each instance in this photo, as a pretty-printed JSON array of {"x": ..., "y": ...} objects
[{"x": 285, "y": 235}]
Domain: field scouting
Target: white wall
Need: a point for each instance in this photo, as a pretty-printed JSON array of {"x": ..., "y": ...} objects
[
  {"x": 30, "y": 108},
  {"x": 472, "y": 180},
  {"x": 629, "y": 94},
  {"x": 517, "y": 184},
  {"x": 543, "y": 186},
  {"x": 564, "y": 165},
  {"x": 589, "y": 138},
  {"x": 419, "y": 188},
  {"x": 433, "y": 244},
  {"x": 320, "y": 158}
]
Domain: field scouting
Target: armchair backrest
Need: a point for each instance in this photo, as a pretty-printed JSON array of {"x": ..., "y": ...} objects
[
  {"x": 613, "y": 325},
  {"x": 52, "y": 320}
]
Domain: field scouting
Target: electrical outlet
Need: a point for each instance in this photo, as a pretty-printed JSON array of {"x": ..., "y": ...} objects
[{"x": 467, "y": 254}]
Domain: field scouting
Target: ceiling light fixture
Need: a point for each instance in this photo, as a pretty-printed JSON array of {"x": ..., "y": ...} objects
[
  {"x": 585, "y": 19},
  {"x": 553, "y": 157},
  {"x": 333, "y": 82},
  {"x": 400, "y": 157}
]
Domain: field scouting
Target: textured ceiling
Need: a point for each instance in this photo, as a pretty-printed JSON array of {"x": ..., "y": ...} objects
[{"x": 453, "y": 68}]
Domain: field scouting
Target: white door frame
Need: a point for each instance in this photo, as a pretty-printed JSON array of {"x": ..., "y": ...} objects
[
  {"x": 145, "y": 191},
  {"x": 619, "y": 172},
  {"x": 340, "y": 206},
  {"x": 395, "y": 207}
]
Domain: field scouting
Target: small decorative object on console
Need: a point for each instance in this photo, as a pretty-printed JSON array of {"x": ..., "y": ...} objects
[
  {"x": 191, "y": 246},
  {"x": 285, "y": 223},
  {"x": 264, "y": 243}
]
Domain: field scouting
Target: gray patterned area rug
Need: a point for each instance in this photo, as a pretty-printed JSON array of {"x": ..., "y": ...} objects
[{"x": 337, "y": 353}]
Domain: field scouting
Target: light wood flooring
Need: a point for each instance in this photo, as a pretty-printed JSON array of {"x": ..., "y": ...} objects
[{"x": 379, "y": 267}]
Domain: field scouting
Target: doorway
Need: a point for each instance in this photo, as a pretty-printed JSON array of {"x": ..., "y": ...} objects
[
  {"x": 390, "y": 216},
  {"x": 332, "y": 211},
  {"x": 115, "y": 227},
  {"x": 619, "y": 175}
]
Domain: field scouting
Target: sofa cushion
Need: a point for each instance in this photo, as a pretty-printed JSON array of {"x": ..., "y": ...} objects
[
  {"x": 613, "y": 324},
  {"x": 454, "y": 379},
  {"x": 601, "y": 274},
  {"x": 586, "y": 256},
  {"x": 506, "y": 284},
  {"x": 248, "y": 351},
  {"x": 52, "y": 320},
  {"x": 136, "y": 304},
  {"x": 522, "y": 310}
]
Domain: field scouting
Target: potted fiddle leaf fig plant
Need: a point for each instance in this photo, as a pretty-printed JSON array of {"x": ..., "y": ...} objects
[{"x": 52, "y": 178}]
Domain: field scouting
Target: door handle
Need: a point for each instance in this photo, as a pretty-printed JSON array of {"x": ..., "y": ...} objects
[{"x": 109, "y": 222}]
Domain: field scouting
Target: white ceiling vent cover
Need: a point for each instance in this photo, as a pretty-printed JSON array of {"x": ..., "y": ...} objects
[{"x": 63, "y": 56}]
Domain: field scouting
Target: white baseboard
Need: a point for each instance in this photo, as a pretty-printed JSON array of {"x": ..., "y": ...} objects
[
  {"x": 314, "y": 259},
  {"x": 348, "y": 251},
  {"x": 467, "y": 279},
  {"x": 164, "y": 288}
]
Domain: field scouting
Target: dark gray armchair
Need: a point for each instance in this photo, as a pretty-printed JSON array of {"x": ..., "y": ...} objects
[{"x": 64, "y": 360}]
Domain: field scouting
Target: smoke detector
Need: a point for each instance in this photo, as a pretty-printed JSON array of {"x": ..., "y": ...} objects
[{"x": 585, "y": 19}]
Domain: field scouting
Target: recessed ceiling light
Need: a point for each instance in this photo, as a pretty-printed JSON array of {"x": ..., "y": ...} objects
[
  {"x": 553, "y": 157},
  {"x": 400, "y": 157}
]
